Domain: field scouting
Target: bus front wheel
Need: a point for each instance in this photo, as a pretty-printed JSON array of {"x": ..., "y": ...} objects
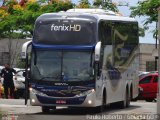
[
  {"x": 101, "y": 108},
  {"x": 46, "y": 109}
]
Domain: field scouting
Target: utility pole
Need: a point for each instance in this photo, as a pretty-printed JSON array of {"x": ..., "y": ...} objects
[
  {"x": 158, "y": 95},
  {"x": 156, "y": 57}
]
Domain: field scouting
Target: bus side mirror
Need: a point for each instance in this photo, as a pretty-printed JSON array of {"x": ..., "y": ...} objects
[
  {"x": 97, "y": 52},
  {"x": 97, "y": 58},
  {"x": 24, "y": 50}
]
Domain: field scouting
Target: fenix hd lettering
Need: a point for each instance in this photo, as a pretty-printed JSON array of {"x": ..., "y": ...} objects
[{"x": 63, "y": 27}]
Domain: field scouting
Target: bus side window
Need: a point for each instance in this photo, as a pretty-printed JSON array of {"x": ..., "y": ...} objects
[
  {"x": 105, "y": 31},
  {"x": 124, "y": 43}
]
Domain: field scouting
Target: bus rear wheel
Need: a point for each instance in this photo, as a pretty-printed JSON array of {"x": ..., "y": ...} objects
[
  {"x": 149, "y": 100},
  {"x": 126, "y": 102}
]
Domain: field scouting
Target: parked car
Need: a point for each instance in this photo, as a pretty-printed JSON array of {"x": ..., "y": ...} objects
[
  {"x": 19, "y": 84},
  {"x": 149, "y": 84},
  {"x": 1, "y": 67},
  {"x": 142, "y": 74}
]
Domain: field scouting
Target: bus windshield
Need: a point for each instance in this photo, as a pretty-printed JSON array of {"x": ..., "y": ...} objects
[{"x": 62, "y": 66}]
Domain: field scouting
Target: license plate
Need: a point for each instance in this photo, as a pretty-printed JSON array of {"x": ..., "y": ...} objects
[{"x": 60, "y": 102}]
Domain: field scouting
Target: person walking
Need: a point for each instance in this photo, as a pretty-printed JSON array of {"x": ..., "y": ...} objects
[{"x": 7, "y": 74}]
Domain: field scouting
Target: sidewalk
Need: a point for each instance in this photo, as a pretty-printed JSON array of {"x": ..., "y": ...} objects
[
  {"x": 17, "y": 107},
  {"x": 13, "y": 103}
]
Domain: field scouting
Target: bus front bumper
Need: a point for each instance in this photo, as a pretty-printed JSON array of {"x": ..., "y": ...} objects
[{"x": 88, "y": 100}]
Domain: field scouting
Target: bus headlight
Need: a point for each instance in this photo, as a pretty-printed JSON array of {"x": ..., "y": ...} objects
[
  {"x": 33, "y": 101},
  {"x": 30, "y": 89},
  {"x": 85, "y": 93},
  {"x": 89, "y": 101}
]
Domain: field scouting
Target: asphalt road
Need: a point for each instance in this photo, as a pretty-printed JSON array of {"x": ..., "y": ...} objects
[{"x": 17, "y": 110}]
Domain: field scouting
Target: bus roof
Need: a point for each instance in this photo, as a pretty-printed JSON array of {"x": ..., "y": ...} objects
[
  {"x": 93, "y": 11},
  {"x": 86, "y": 15}
]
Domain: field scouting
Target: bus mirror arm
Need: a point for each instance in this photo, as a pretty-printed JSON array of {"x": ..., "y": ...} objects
[{"x": 97, "y": 69}]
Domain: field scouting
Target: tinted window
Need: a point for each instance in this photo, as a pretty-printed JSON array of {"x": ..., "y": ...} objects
[
  {"x": 118, "y": 32},
  {"x": 105, "y": 31},
  {"x": 155, "y": 79},
  {"x": 65, "y": 32},
  {"x": 146, "y": 80},
  {"x": 125, "y": 43}
]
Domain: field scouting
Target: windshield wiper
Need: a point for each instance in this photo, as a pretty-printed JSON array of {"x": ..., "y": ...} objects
[
  {"x": 44, "y": 78},
  {"x": 57, "y": 77},
  {"x": 76, "y": 79}
]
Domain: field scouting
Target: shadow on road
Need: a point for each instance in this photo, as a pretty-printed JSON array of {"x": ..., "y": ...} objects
[{"x": 84, "y": 111}]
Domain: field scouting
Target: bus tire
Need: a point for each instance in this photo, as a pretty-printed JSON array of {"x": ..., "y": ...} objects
[
  {"x": 101, "y": 108},
  {"x": 149, "y": 100},
  {"x": 45, "y": 109},
  {"x": 126, "y": 102},
  {"x": 128, "y": 99}
]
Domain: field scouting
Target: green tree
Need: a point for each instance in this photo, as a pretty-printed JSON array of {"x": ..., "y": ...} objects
[
  {"x": 83, "y": 4},
  {"x": 147, "y": 8},
  {"x": 20, "y": 63},
  {"x": 18, "y": 21},
  {"x": 97, "y": 3},
  {"x": 105, "y": 5}
]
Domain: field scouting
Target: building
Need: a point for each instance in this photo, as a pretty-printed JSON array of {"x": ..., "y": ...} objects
[
  {"x": 147, "y": 60},
  {"x": 10, "y": 50}
]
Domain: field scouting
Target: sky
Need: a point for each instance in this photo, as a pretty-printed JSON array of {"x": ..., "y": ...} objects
[
  {"x": 124, "y": 10},
  {"x": 1, "y": 1}
]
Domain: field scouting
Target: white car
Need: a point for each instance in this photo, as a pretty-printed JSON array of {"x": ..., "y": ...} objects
[
  {"x": 19, "y": 84},
  {"x": 1, "y": 67}
]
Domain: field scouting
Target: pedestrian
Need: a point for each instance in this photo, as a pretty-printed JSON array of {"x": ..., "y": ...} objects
[{"x": 8, "y": 84}]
